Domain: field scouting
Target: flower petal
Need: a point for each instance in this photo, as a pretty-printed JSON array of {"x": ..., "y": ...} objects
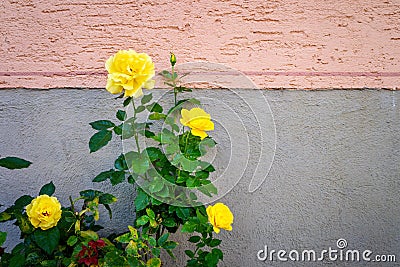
[{"x": 200, "y": 133}]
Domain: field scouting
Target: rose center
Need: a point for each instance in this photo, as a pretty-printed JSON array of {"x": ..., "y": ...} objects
[{"x": 45, "y": 213}]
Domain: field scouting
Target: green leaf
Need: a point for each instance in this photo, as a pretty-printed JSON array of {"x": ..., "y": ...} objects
[
  {"x": 206, "y": 144},
  {"x": 121, "y": 115},
  {"x": 188, "y": 227},
  {"x": 109, "y": 210},
  {"x": 48, "y": 263},
  {"x": 202, "y": 174},
  {"x": 208, "y": 189},
  {"x": 215, "y": 242},
  {"x": 164, "y": 192},
  {"x": 4, "y": 216},
  {"x": 125, "y": 238},
  {"x": 162, "y": 239},
  {"x": 152, "y": 241},
  {"x": 156, "y": 251},
  {"x": 3, "y": 236},
  {"x": 141, "y": 200},
  {"x": 189, "y": 165},
  {"x": 107, "y": 199},
  {"x": 120, "y": 163},
  {"x": 146, "y": 98},
  {"x": 189, "y": 253},
  {"x": 131, "y": 179},
  {"x": 72, "y": 240},
  {"x": 210, "y": 168},
  {"x": 157, "y": 116},
  {"x": 150, "y": 213},
  {"x": 118, "y": 129},
  {"x": 17, "y": 261},
  {"x": 22, "y": 201},
  {"x": 23, "y": 223},
  {"x": 168, "y": 137},
  {"x": 194, "y": 239},
  {"x": 166, "y": 74},
  {"x": 212, "y": 259},
  {"x": 48, "y": 189},
  {"x": 142, "y": 220},
  {"x": 156, "y": 185},
  {"x": 47, "y": 239},
  {"x": 113, "y": 258},
  {"x": 117, "y": 177},
  {"x": 169, "y": 222},
  {"x": 89, "y": 194},
  {"x": 218, "y": 252},
  {"x": 33, "y": 258},
  {"x": 133, "y": 232},
  {"x": 183, "y": 213},
  {"x": 103, "y": 176},
  {"x": 128, "y": 130},
  {"x": 203, "y": 218},
  {"x": 170, "y": 245},
  {"x": 148, "y": 134},
  {"x": 155, "y": 107},
  {"x": 99, "y": 139},
  {"x": 131, "y": 249},
  {"x": 127, "y": 101},
  {"x": 89, "y": 235},
  {"x": 138, "y": 162},
  {"x": 154, "y": 262},
  {"x": 14, "y": 163},
  {"x": 192, "y": 182},
  {"x": 140, "y": 109},
  {"x": 102, "y": 125}
]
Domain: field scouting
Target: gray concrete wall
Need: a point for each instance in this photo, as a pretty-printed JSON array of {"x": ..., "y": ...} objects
[{"x": 335, "y": 173}]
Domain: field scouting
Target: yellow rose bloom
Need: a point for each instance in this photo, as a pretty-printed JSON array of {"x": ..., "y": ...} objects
[
  {"x": 220, "y": 217},
  {"x": 129, "y": 71},
  {"x": 44, "y": 212},
  {"x": 198, "y": 120}
]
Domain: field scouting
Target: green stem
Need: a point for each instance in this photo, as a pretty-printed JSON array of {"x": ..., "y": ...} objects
[
  {"x": 174, "y": 84},
  {"x": 186, "y": 143},
  {"x": 184, "y": 151},
  {"x": 72, "y": 204},
  {"x": 136, "y": 134}
]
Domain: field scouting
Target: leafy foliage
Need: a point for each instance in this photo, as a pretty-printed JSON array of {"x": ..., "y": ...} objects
[{"x": 170, "y": 169}]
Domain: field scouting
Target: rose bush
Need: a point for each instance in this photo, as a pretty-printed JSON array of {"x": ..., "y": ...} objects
[{"x": 169, "y": 171}]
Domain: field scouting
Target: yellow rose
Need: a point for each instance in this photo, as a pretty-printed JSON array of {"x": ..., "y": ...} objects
[
  {"x": 198, "y": 120},
  {"x": 220, "y": 217},
  {"x": 44, "y": 212},
  {"x": 129, "y": 71}
]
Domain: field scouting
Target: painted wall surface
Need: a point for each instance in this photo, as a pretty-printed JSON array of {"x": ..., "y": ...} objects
[
  {"x": 335, "y": 174},
  {"x": 278, "y": 43}
]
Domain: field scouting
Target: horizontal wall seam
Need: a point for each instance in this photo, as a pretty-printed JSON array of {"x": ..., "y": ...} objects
[
  {"x": 212, "y": 88},
  {"x": 250, "y": 73}
]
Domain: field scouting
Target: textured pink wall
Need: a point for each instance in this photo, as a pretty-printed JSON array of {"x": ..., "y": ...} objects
[{"x": 290, "y": 44}]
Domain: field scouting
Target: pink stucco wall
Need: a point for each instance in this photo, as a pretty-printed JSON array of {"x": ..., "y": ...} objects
[{"x": 277, "y": 43}]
